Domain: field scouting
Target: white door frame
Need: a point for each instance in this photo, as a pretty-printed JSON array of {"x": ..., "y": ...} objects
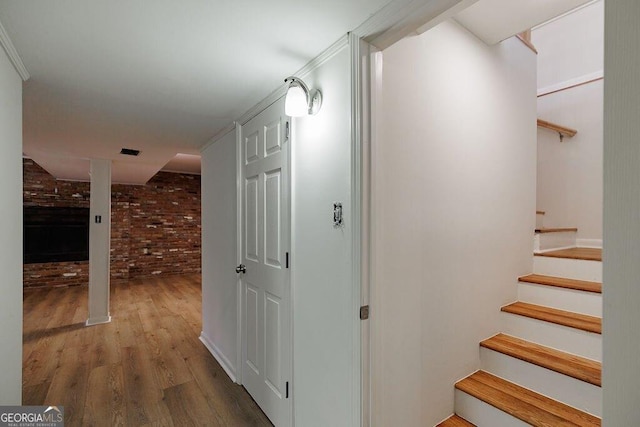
[
  {"x": 365, "y": 91},
  {"x": 240, "y": 330},
  {"x": 239, "y": 311}
]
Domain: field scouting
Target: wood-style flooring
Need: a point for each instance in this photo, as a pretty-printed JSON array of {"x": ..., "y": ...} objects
[{"x": 146, "y": 367}]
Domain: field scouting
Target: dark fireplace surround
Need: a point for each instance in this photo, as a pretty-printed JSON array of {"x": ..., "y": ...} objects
[{"x": 55, "y": 234}]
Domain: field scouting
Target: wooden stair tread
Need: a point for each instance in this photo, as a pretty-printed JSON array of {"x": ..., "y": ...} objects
[
  {"x": 553, "y": 315},
  {"x": 526, "y": 405},
  {"x": 455, "y": 421},
  {"x": 589, "y": 254},
  {"x": 568, "y": 364},
  {"x": 562, "y": 282},
  {"x": 555, "y": 230}
]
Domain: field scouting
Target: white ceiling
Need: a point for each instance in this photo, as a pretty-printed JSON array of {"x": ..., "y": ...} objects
[{"x": 160, "y": 76}]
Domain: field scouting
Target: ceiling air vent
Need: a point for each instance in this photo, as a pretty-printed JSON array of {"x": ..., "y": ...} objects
[{"x": 129, "y": 152}]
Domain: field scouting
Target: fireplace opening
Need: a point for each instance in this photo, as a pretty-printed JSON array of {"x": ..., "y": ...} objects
[{"x": 53, "y": 234}]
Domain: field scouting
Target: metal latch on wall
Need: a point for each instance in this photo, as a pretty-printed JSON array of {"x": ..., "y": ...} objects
[
  {"x": 337, "y": 214},
  {"x": 364, "y": 312}
]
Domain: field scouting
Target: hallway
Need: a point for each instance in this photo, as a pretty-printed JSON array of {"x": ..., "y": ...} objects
[{"x": 146, "y": 367}]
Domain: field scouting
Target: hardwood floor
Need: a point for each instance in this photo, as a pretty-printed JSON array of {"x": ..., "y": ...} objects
[{"x": 146, "y": 367}]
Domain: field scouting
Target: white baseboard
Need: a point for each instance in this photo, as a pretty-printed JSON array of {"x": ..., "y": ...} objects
[
  {"x": 589, "y": 243},
  {"x": 98, "y": 320},
  {"x": 217, "y": 354}
]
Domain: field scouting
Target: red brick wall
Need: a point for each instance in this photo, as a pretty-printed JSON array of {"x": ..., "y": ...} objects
[
  {"x": 120, "y": 231},
  {"x": 53, "y": 274},
  {"x": 41, "y": 189},
  {"x": 155, "y": 228},
  {"x": 164, "y": 236}
]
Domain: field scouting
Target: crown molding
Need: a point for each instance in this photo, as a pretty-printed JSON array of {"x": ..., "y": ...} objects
[
  {"x": 316, "y": 62},
  {"x": 13, "y": 55},
  {"x": 218, "y": 136}
]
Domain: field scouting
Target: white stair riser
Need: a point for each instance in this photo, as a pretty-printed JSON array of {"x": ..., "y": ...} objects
[
  {"x": 564, "y": 338},
  {"x": 547, "y": 241},
  {"x": 482, "y": 414},
  {"x": 579, "y": 394},
  {"x": 539, "y": 220},
  {"x": 570, "y": 268},
  {"x": 564, "y": 299}
]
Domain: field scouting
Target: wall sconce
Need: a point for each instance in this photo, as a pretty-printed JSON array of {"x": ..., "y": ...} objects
[{"x": 300, "y": 101}]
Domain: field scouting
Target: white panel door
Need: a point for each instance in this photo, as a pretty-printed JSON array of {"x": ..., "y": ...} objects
[{"x": 266, "y": 350}]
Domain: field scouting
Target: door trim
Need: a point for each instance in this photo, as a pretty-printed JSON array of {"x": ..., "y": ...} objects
[
  {"x": 363, "y": 74},
  {"x": 291, "y": 266},
  {"x": 239, "y": 311},
  {"x": 356, "y": 223}
]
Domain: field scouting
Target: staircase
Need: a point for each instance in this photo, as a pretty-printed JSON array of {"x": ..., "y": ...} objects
[
  {"x": 552, "y": 238},
  {"x": 545, "y": 368}
]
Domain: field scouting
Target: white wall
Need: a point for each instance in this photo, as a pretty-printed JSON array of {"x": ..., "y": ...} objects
[
  {"x": 323, "y": 300},
  {"x": 621, "y": 363},
  {"x": 11, "y": 233},
  {"x": 219, "y": 252},
  {"x": 570, "y": 173},
  {"x": 454, "y": 170}
]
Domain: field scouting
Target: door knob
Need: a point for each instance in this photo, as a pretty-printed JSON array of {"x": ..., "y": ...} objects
[{"x": 241, "y": 268}]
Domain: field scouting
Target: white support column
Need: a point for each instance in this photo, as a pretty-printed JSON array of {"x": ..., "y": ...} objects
[{"x": 99, "y": 242}]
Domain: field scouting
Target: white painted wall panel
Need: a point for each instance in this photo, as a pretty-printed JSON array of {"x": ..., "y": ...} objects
[
  {"x": 569, "y": 185},
  {"x": 454, "y": 212},
  {"x": 621, "y": 290},
  {"x": 219, "y": 252},
  {"x": 321, "y": 254},
  {"x": 10, "y": 233}
]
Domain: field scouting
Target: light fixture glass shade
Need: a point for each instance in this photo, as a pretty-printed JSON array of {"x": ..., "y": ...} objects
[{"x": 296, "y": 103}]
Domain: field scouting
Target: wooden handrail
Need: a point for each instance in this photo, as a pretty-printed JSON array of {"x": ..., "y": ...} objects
[
  {"x": 562, "y": 130},
  {"x": 525, "y": 37}
]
